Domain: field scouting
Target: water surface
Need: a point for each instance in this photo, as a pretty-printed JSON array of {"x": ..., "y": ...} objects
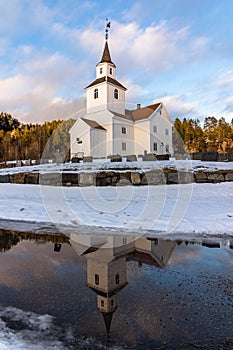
[{"x": 112, "y": 291}]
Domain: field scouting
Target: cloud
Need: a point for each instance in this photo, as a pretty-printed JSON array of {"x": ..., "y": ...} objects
[
  {"x": 50, "y": 61},
  {"x": 177, "y": 108},
  {"x": 133, "y": 47},
  {"x": 228, "y": 105},
  {"x": 224, "y": 79},
  {"x": 134, "y": 94},
  {"x": 42, "y": 88},
  {"x": 18, "y": 16}
]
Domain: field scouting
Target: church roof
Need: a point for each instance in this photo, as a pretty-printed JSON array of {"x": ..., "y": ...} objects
[
  {"x": 146, "y": 258},
  {"x": 138, "y": 114},
  {"x": 93, "y": 124},
  {"x": 124, "y": 116},
  {"x": 106, "y": 55},
  {"x": 108, "y": 79},
  {"x": 143, "y": 113}
]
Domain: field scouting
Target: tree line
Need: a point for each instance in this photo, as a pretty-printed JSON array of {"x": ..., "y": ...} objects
[
  {"x": 8, "y": 239},
  {"x": 214, "y": 135},
  {"x": 33, "y": 141}
]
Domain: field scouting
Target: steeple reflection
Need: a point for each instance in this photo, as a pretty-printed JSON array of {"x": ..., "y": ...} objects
[{"x": 107, "y": 258}]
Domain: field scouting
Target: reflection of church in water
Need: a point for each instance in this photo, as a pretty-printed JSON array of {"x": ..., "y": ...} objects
[{"x": 107, "y": 258}]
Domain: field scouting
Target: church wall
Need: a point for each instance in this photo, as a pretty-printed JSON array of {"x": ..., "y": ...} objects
[
  {"x": 96, "y": 104},
  {"x": 105, "y": 70},
  {"x": 117, "y": 267},
  {"x": 98, "y": 143},
  {"x": 141, "y": 137},
  {"x": 107, "y": 272},
  {"x": 100, "y": 268},
  {"x": 116, "y": 105},
  {"x": 163, "y": 250},
  {"x": 143, "y": 244},
  {"x": 160, "y": 137},
  {"x": 80, "y": 130},
  {"x": 119, "y": 138},
  {"x": 104, "y": 118}
]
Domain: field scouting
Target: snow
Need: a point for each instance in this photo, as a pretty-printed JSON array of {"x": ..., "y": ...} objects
[
  {"x": 105, "y": 164},
  {"x": 191, "y": 209},
  {"x": 39, "y": 325},
  {"x": 39, "y": 332}
]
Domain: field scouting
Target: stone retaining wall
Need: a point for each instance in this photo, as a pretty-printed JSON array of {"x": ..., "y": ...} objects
[{"x": 119, "y": 178}]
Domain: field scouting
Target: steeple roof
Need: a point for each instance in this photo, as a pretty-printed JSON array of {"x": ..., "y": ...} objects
[
  {"x": 107, "y": 320},
  {"x": 103, "y": 79},
  {"x": 106, "y": 58}
]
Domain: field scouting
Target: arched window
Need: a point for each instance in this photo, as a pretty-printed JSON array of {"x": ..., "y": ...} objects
[
  {"x": 101, "y": 70},
  {"x": 110, "y": 70},
  {"x": 116, "y": 94},
  {"x": 95, "y": 93}
]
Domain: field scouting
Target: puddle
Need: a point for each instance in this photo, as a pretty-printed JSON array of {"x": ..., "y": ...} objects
[{"x": 114, "y": 292}]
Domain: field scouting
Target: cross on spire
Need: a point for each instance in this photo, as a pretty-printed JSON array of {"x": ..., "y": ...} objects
[{"x": 108, "y": 25}]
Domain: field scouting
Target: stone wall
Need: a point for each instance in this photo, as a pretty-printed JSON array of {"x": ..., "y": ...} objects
[{"x": 119, "y": 178}]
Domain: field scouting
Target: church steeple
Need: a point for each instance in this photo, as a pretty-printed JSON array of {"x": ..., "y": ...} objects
[
  {"x": 105, "y": 92},
  {"x": 107, "y": 320},
  {"x": 106, "y": 58}
]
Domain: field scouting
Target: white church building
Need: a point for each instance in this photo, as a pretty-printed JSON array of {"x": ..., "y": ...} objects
[{"x": 108, "y": 128}]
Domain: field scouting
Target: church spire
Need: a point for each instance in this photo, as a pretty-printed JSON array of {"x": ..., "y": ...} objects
[
  {"x": 107, "y": 320},
  {"x": 106, "y": 54}
]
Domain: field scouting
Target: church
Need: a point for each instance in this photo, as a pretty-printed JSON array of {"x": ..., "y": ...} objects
[
  {"x": 108, "y": 128},
  {"x": 107, "y": 257}
]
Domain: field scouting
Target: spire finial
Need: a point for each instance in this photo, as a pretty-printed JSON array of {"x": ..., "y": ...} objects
[{"x": 108, "y": 25}]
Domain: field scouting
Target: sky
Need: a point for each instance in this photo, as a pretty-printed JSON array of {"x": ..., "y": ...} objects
[{"x": 177, "y": 52}]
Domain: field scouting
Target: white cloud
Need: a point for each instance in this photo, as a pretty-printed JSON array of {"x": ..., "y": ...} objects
[
  {"x": 177, "y": 107},
  {"x": 134, "y": 94},
  {"x": 41, "y": 82},
  {"x": 224, "y": 79},
  {"x": 39, "y": 91},
  {"x": 154, "y": 48},
  {"x": 228, "y": 106}
]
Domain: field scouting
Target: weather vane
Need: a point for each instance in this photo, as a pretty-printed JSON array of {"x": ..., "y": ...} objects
[{"x": 108, "y": 25}]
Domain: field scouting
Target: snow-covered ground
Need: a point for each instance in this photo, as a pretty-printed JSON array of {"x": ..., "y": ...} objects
[
  {"x": 39, "y": 332},
  {"x": 194, "y": 209},
  {"x": 105, "y": 164}
]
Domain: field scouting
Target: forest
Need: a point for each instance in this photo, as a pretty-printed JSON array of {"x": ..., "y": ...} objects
[
  {"x": 20, "y": 141},
  {"x": 213, "y": 135},
  {"x": 33, "y": 141}
]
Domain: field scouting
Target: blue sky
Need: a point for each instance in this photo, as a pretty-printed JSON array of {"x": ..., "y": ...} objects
[{"x": 176, "y": 51}]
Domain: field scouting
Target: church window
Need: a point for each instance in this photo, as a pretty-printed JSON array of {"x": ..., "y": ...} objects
[
  {"x": 110, "y": 70},
  {"x": 123, "y": 130},
  {"x": 116, "y": 94},
  {"x": 96, "y": 93},
  {"x": 155, "y": 146},
  {"x": 102, "y": 303},
  {"x": 101, "y": 70},
  {"x": 97, "y": 279},
  {"x": 155, "y": 128},
  {"x": 117, "y": 278},
  {"x": 167, "y": 148},
  {"x": 123, "y": 146},
  {"x": 166, "y": 132},
  {"x": 112, "y": 302}
]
